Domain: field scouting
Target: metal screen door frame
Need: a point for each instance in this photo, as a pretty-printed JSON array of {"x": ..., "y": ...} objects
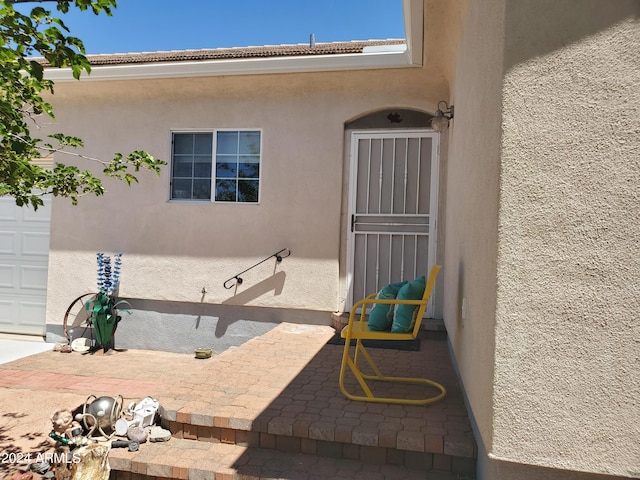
[{"x": 391, "y": 226}]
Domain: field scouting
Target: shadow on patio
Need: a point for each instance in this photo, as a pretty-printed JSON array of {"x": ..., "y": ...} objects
[{"x": 270, "y": 408}]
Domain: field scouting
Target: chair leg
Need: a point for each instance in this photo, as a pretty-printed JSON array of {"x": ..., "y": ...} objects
[
  {"x": 360, "y": 349},
  {"x": 378, "y": 376},
  {"x": 352, "y": 364}
]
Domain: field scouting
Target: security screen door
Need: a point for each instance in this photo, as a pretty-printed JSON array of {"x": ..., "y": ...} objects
[{"x": 392, "y": 209}]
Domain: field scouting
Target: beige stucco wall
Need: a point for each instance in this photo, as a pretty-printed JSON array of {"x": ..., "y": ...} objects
[
  {"x": 538, "y": 239},
  {"x": 544, "y": 233},
  {"x": 567, "y": 384},
  {"x": 472, "y": 207},
  {"x": 171, "y": 249}
]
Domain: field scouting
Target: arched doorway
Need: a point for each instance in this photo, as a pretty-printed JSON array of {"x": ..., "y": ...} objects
[{"x": 392, "y": 200}]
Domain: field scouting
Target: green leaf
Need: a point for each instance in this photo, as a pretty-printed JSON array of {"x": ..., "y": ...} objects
[
  {"x": 22, "y": 86},
  {"x": 36, "y": 69}
]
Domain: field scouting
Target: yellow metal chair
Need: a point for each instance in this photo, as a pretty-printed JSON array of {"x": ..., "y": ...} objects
[{"x": 358, "y": 330}]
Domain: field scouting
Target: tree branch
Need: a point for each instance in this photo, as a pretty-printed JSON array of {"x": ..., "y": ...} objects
[{"x": 73, "y": 154}]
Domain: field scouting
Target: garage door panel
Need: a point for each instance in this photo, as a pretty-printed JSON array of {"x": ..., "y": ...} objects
[
  {"x": 42, "y": 215},
  {"x": 23, "y": 275},
  {"x": 8, "y": 242},
  {"x": 32, "y": 313},
  {"x": 8, "y": 276},
  {"x": 24, "y": 258},
  {"x": 22, "y": 316},
  {"x": 35, "y": 244},
  {"x": 9, "y": 315},
  {"x": 6, "y": 310},
  {"x": 33, "y": 278},
  {"x": 8, "y": 210}
]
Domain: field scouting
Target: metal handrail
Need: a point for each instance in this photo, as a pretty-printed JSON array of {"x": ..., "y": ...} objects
[{"x": 279, "y": 255}]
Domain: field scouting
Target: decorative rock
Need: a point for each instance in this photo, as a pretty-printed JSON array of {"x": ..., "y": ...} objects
[
  {"x": 62, "y": 348},
  {"x": 89, "y": 462},
  {"x": 39, "y": 467},
  {"x": 159, "y": 434},
  {"x": 203, "y": 352},
  {"x": 137, "y": 434},
  {"x": 22, "y": 476}
]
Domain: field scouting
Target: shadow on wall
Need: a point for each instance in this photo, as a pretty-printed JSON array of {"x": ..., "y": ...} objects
[
  {"x": 560, "y": 26},
  {"x": 274, "y": 283},
  {"x": 183, "y": 327}
]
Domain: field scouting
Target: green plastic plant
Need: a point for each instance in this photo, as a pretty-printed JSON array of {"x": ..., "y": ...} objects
[{"x": 104, "y": 308}]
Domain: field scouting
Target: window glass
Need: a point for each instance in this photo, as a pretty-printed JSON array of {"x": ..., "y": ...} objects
[
  {"x": 182, "y": 166},
  {"x": 238, "y": 157},
  {"x": 226, "y": 190},
  {"x": 249, "y": 167},
  {"x": 249, "y": 142},
  {"x": 226, "y": 166},
  {"x": 202, "y": 144},
  {"x": 227, "y": 143},
  {"x": 183, "y": 143},
  {"x": 202, "y": 166},
  {"x": 230, "y": 166},
  {"x": 247, "y": 190},
  {"x": 181, "y": 189},
  {"x": 202, "y": 189}
]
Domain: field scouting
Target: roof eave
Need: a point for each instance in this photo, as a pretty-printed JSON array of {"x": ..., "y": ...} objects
[
  {"x": 244, "y": 66},
  {"x": 414, "y": 30},
  {"x": 411, "y": 56}
]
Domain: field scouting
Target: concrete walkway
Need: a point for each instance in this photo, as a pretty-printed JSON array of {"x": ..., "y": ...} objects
[{"x": 12, "y": 348}]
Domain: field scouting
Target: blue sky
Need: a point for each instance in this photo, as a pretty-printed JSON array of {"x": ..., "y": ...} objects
[{"x": 153, "y": 25}]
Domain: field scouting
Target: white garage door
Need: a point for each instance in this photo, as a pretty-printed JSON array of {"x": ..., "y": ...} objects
[{"x": 24, "y": 259}]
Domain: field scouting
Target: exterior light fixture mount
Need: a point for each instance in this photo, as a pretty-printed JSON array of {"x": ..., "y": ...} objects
[
  {"x": 440, "y": 121},
  {"x": 394, "y": 117}
]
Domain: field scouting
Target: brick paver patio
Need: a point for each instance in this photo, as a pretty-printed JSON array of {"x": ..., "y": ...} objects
[{"x": 270, "y": 408}]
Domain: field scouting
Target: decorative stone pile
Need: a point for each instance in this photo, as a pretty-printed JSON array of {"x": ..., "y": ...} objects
[{"x": 81, "y": 440}]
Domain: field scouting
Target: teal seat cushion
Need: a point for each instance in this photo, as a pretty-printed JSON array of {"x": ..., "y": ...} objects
[
  {"x": 381, "y": 316},
  {"x": 404, "y": 316}
]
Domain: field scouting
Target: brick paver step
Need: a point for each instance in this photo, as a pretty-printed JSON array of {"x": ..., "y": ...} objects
[
  {"x": 194, "y": 460},
  {"x": 277, "y": 393},
  {"x": 367, "y": 444}
]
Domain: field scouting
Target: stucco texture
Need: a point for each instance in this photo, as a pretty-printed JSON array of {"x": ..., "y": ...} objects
[
  {"x": 472, "y": 188},
  {"x": 172, "y": 250},
  {"x": 542, "y": 218},
  {"x": 567, "y": 387}
]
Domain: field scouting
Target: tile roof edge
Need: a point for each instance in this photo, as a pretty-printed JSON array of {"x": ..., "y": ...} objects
[{"x": 248, "y": 52}]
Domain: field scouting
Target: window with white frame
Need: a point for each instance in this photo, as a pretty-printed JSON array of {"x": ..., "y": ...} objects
[{"x": 223, "y": 166}]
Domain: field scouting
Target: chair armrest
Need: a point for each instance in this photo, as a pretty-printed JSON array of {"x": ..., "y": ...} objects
[
  {"x": 355, "y": 307},
  {"x": 371, "y": 300}
]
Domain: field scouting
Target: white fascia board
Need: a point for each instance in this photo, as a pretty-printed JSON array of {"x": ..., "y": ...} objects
[
  {"x": 399, "y": 57},
  {"x": 414, "y": 29},
  {"x": 244, "y": 66}
]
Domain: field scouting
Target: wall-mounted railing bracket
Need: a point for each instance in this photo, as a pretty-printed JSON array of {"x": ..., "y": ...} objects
[{"x": 279, "y": 255}]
